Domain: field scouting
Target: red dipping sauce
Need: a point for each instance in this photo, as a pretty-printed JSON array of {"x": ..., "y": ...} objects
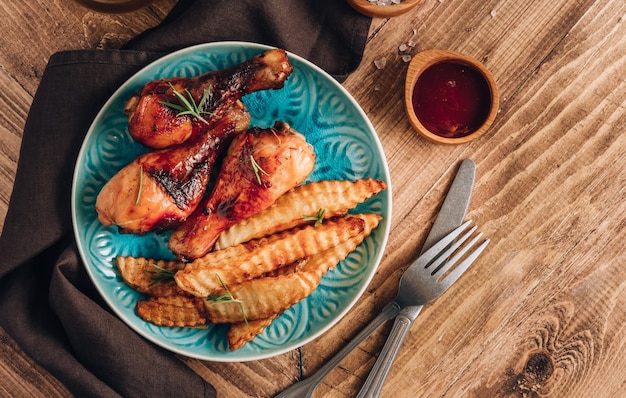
[{"x": 451, "y": 99}]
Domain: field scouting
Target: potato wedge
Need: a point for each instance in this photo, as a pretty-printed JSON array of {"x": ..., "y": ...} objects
[
  {"x": 336, "y": 197},
  {"x": 152, "y": 277},
  {"x": 177, "y": 311},
  {"x": 264, "y": 297},
  {"x": 239, "y": 334},
  {"x": 202, "y": 280}
]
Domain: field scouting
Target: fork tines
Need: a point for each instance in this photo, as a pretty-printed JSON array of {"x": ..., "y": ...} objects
[{"x": 439, "y": 255}]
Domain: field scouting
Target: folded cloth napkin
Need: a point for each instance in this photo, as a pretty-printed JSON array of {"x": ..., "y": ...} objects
[{"x": 47, "y": 302}]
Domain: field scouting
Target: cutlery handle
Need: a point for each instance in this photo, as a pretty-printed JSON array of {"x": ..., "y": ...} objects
[
  {"x": 306, "y": 387},
  {"x": 388, "y": 312},
  {"x": 374, "y": 382}
]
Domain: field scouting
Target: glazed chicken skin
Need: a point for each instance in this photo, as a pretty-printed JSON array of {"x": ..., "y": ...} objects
[
  {"x": 260, "y": 165},
  {"x": 155, "y": 124},
  {"x": 160, "y": 189}
]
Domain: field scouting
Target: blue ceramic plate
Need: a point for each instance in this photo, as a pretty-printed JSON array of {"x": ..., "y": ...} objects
[{"x": 346, "y": 146}]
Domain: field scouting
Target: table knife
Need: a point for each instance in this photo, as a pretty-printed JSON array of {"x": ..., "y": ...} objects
[{"x": 455, "y": 205}]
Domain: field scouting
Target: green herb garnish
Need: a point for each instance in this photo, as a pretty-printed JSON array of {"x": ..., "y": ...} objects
[
  {"x": 318, "y": 218},
  {"x": 226, "y": 297},
  {"x": 188, "y": 105},
  {"x": 257, "y": 170},
  {"x": 140, "y": 185},
  {"x": 161, "y": 275}
]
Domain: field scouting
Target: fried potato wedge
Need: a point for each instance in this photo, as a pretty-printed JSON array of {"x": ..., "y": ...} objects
[
  {"x": 264, "y": 297},
  {"x": 152, "y": 277},
  {"x": 177, "y": 311},
  {"x": 218, "y": 258},
  {"x": 241, "y": 333},
  {"x": 202, "y": 280},
  {"x": 293, "y": 208}
]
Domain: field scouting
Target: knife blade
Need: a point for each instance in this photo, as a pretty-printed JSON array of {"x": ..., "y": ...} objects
[{"x": 454, "y": 207}]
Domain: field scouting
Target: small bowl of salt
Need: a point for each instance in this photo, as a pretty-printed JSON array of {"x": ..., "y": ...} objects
[{"x": 382, "y": 8}]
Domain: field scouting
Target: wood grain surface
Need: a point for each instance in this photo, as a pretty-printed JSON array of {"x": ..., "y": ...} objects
[{"x": 542, "y": 313}]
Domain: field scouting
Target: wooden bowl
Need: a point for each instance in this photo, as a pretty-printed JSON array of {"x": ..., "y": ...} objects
[
  {"x": 114, "y": 7},
  {"x": 488, "y": 106},
  {"x": 373, "y": 10}
]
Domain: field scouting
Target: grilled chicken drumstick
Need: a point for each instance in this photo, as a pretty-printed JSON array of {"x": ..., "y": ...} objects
[
  {"x": 260, "y": 165},
  {"x": 155, "y": 124},
  {"x": 160, "y": 189}
]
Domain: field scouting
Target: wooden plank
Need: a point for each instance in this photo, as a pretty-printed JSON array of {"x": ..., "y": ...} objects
[
  {"x": 22, "y": 377},
  {"x": 264, "y": 378},
  {"x": 33, "y": 30},
  {"x": 14, "y": 105}
]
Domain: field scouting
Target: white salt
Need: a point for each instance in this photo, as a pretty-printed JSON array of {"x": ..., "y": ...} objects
[{"x": 380, "y": 62}]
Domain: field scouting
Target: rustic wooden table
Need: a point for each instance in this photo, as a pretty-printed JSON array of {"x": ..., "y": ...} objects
[{"x": 542, "y": 312}]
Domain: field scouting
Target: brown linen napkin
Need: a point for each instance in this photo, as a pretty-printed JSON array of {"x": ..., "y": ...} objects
[
  {"x": 328, "y": 33},
  {"x": 47, "y": 302}
]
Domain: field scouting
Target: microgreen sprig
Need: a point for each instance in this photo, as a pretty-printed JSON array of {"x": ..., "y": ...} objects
[
  {"x": 226, "y": 297},
  {"x": 188, "y": 105},
  {"x": 161, "y": 275},
  {"x": 257, "y": 170},
  {"x": 318, "y": 218}
]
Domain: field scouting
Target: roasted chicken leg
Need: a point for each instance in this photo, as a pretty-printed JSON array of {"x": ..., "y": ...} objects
[
  {"x": 260, "y": 165},
  {"x": 155, "y": 123},
  {"x": 160, "y": 189}
]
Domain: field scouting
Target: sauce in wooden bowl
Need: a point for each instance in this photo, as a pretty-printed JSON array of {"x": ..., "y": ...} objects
[{"x": 451, "y": 99}]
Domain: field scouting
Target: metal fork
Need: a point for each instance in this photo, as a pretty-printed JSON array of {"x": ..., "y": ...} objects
[{"x": 426, "y": 279}]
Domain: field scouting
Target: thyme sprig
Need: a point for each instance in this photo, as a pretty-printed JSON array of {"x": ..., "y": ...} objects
[
  {"x": 188, "y": 105},
  {"x": 226, "y": 297},
  {"x": 318, "y": 218},
  {"x": 257, "y": 170},
  {"x": 161, "y": 274}
]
